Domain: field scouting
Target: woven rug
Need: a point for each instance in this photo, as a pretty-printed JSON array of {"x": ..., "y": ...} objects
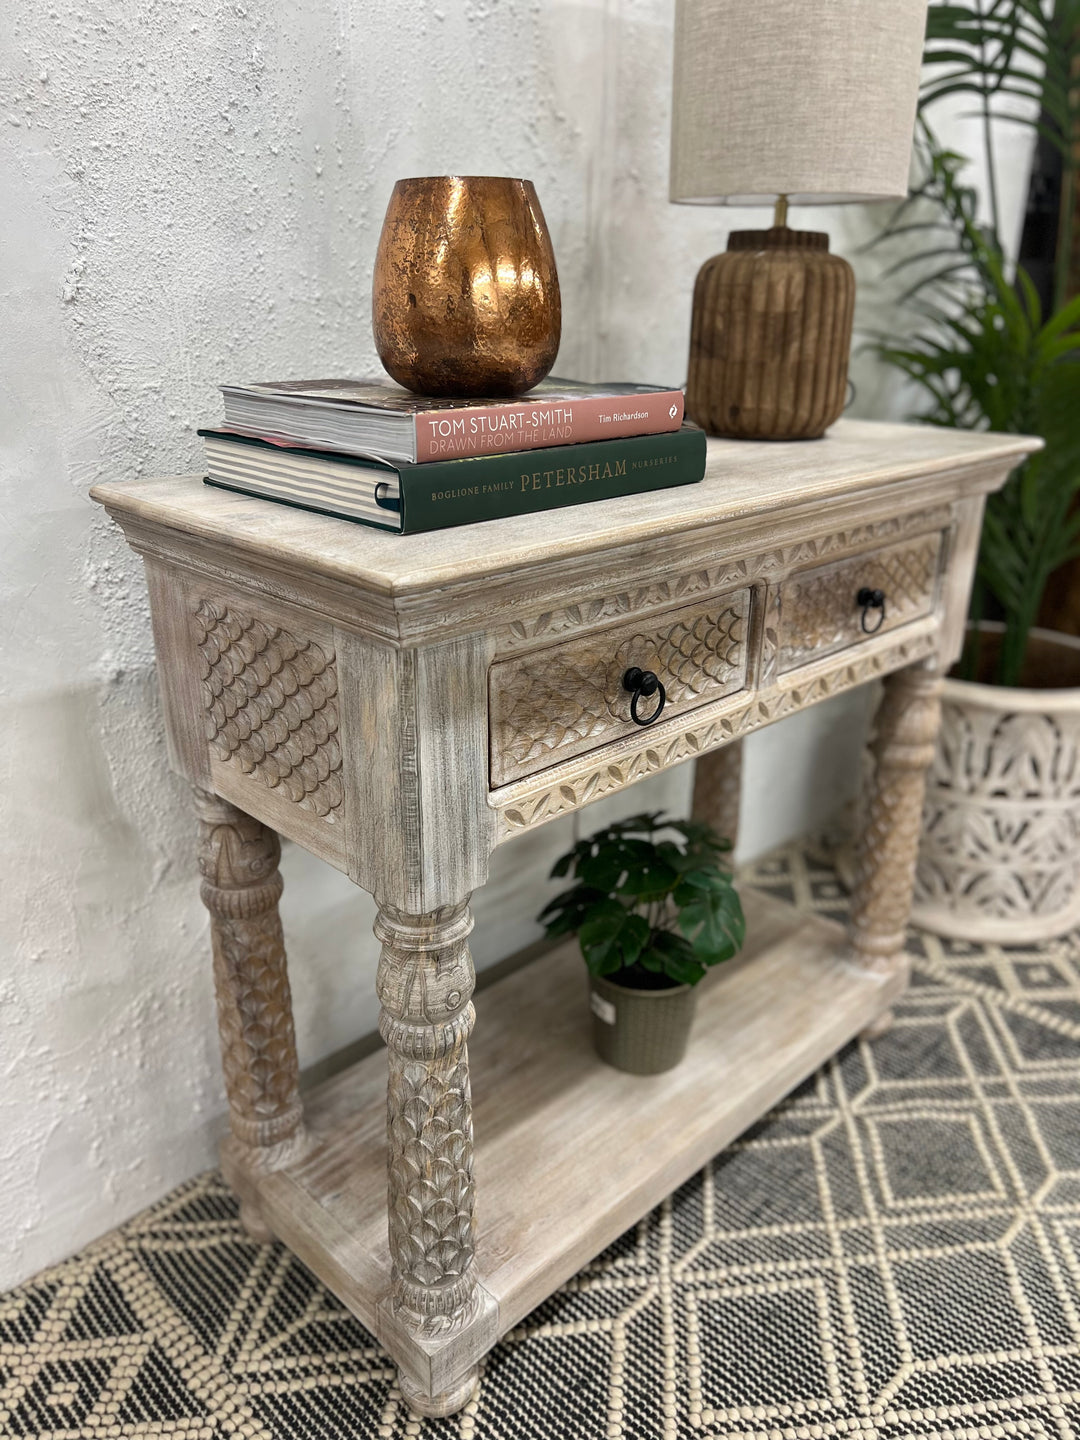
[{"x": 895, "y": 1251}]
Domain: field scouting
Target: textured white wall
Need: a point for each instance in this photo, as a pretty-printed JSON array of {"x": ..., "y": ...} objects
[
  {"x": 190, "y": 193},
  {"x": 193, "y": 193}
]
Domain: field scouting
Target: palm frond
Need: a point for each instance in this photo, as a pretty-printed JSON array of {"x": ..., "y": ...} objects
[{"x": 983, "y": 355}]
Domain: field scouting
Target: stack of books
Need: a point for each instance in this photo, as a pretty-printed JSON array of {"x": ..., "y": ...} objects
[{"x": 368, "y": 450}]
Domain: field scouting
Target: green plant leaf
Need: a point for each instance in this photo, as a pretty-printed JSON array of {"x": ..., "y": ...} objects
[
  {"x": 612, "y": 937},
  {"x": 644, "y": 823},
  {"x": 707, "y": 879},
  {"x": 651, "y": 959},
  {"x": 1066, "y": 319},
  {"x": 567, "y": 913},
  {"x": 710, "y": 915},
  {"x": 698, "y": 833},
  {"x": 673, "y": 956},
  {"x": 572, "y": 859},
  {"x": 622, "y": 904},
  {"x": 981, "y": 355},
  {"x": 627, "y": 866}
]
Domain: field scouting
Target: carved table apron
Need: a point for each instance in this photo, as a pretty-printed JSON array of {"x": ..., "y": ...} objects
[{"x": 399, "y": 706}]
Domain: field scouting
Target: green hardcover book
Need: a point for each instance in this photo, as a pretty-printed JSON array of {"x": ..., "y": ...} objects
[{"x": 442, "y": 493}]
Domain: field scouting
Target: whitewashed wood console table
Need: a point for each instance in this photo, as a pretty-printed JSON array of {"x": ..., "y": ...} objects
[{"x": 400, "y": 706}]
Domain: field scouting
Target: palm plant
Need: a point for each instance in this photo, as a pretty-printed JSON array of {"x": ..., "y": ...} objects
[
  {"x": 1004, "y": 51},
  {"x": 983, "y": 353}
]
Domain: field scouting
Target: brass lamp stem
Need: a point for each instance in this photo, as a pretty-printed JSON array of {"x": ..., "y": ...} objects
[{"x": 780, "y": 213}]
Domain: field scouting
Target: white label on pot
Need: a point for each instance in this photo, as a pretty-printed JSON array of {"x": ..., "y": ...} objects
[{"x": 601, "y": 1008}]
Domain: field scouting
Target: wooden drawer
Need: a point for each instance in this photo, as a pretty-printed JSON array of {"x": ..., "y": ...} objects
[
  {"x": 819, "y": 613},
  {"x": 558, "y": 702}
]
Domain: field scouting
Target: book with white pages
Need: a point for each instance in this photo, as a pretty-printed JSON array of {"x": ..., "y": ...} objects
[{"x": 395, "y": 495}]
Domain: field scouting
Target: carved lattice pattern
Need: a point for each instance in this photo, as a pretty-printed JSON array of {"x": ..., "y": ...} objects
[
  {"x": 431, "y": 1182},
  {"x": 1001, "y": 825},
  {"x": 271, "y": 704},
  {"x": 241, "y": 885},
  {"x": 424, "y": 981},
  {"x": 570, "y": 787},
  {"x": 819, "y": 610},
  {"x": 587, "y": 613},
  {"x": 902, "y": 748},
  {"x": 568, "y": 698}
]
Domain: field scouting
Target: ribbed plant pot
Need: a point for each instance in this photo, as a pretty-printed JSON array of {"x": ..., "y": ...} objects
[
  {"x": 999, "y": 858},
  {"x": 643, "y": 1032}
]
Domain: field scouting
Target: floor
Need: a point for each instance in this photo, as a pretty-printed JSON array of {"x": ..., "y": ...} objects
[{"x": 894, "y": 1252}]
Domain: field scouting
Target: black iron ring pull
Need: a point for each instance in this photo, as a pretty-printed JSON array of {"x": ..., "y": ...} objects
[
  {"x": 871, "y": 600},
  {"x": 639, "y": 683}
]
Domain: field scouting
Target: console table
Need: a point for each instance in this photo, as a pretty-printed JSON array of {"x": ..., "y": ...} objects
[{"x": 401, "y": 705}]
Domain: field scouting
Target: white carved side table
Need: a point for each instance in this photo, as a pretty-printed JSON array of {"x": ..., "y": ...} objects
[{"x": 399, "y": 706}]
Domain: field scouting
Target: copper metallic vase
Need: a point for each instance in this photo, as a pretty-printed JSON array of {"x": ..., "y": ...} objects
[{"x": 466, "y": 298}]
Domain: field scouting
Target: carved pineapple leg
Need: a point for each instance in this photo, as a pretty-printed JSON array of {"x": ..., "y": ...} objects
[
  {"x": 718, "y": 789},
  {"x": 905, "y": 731},
  {"x": 438, "y": 1319},
  {"x": 238, "y": 858}
]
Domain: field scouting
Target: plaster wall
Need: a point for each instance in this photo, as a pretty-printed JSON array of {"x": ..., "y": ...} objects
[{"x": 192, "y": 194}]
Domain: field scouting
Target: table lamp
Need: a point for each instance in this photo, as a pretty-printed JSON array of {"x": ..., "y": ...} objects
[{"x": 800, "y": 102}]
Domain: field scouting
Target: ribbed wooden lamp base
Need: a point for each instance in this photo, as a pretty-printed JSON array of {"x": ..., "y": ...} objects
[{"x": 770, "y": 336}]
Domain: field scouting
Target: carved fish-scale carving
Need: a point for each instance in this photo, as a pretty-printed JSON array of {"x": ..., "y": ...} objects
[
  {"x": 585, "y": 614},
  {"x": 571, "y": 788},
  {"x": 271, "y": 704},
  {"x": 424, "y": 982},
  {"x": 903, "y": 746},
  {"x": 431, "y": 1178},
  {"x": 238, "y": 858},
  {"x": 819, "y": 610},
  {"x": 556, "y": 702}
]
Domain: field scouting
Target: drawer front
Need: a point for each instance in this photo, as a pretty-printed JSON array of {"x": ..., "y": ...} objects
[
  {"x": 555, "y": 703},
  {"x": 819, "y": 612}
]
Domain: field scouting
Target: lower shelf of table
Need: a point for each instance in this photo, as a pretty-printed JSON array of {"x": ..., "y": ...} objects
[{"x": 570, "y": 1153}]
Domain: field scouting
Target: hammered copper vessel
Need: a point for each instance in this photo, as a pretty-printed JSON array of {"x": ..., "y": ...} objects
[{"x": 466, "y": 297}]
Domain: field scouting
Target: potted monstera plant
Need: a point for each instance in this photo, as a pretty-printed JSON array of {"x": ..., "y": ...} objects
[
  {"x": 653, "y": 908},
  {"x": 1000, "y": 851}
]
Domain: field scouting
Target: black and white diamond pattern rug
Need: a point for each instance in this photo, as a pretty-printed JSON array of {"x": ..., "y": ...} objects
[{"x": 894, "y": 1251}]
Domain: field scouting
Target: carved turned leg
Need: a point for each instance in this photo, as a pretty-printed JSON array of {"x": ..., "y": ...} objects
[
  {"x": 905, "y": 731},
  {"x": 238, "y": 858},
  {"x": 718, "y": 789},
  {"x": 441, "y": 1318}
]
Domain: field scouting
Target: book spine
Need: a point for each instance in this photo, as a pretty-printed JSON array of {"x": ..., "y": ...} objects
[
  {"x": 532, "y": 425},
  {"x": 311, "y": 507},
  {"x": 438, "y": 495}
]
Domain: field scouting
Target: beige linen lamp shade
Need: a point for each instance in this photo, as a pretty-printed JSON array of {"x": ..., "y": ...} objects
[
  {"x": 807, "y": 101},
  {"x": 812, "y": 99}
]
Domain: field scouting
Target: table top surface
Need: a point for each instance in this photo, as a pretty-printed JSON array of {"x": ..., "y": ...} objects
[{"x": 742, "y": 479}]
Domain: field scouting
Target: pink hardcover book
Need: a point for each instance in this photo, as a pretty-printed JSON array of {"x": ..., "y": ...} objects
[{"x": 380, "y": 418}]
